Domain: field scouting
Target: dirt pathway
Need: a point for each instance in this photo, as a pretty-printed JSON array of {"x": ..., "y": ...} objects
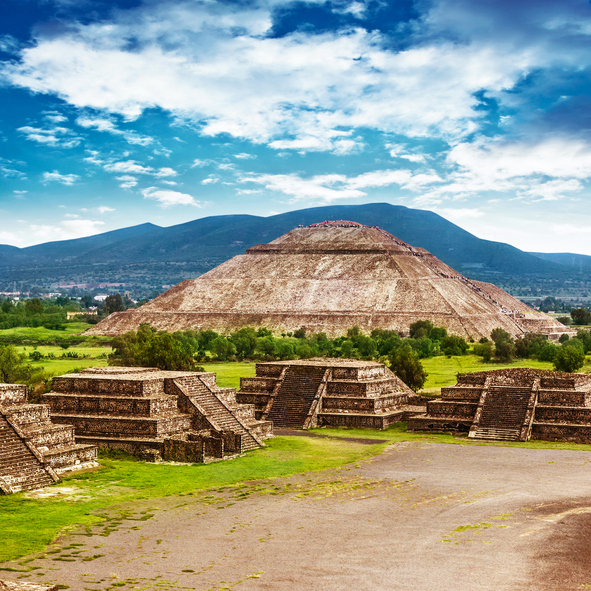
[{"x": 420, "y": 516}]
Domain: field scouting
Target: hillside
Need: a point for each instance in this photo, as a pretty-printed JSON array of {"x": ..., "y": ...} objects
[{"x": 148, "y": 256}]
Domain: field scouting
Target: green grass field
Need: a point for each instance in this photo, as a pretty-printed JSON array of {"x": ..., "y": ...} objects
[
  {"x": 87, "y": 357},
  {"x": 229, "y": 374}
]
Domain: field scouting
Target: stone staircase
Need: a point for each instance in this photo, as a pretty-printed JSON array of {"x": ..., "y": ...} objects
[
  {"x": 221, "y": 418},
  {"x": 295, "y": 397},
  {"x": 503, "y": 413},
  {"x": 20, "y": 469}
]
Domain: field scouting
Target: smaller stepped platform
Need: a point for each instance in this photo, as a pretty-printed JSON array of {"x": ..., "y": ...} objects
[
  {"x": 513, "y": 405},
  {"x": 154, "y": 414},
  {"x": 33, "y": 450},
  {"x": 303, "y": 394}
]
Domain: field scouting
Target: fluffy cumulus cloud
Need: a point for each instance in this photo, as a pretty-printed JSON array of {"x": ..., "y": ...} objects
[
  {"x": 167, "y": 198},
  {"x": 302, "y": 91}
]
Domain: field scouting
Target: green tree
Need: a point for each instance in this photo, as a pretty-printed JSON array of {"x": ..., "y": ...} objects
[
  {"x": 245, "y": 341},
  {"x": 505, "y": 350},
  {"x": 114, "y": 303},
  {"x": 420, "y": 328},
  {"x": 485, "y": 350},
  {"x": 548, "y": 352},
  {"x": 347, "y": 349},
  {"x": 170, "y": 352},
  {"x": 580, "y": 316},
  {"x": 14, "y": 368},
  {"x": 222, "y": 348},
  {"x": 454, "y": 345},
  {"x": 569, "y": 359},
  {"x": 34, "y": 307},
  {"x": 367, "y": 347},
  {"x": 498, "y": 334},
  {"x": 406, "y": 365},
  {"x": 529, "y": 345}
]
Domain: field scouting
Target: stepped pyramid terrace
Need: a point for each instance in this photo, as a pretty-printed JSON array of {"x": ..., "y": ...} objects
[
  {"x": 513, "y": 405},
  {"x": 33, "y": 450},
  {"x": 327, "y": 392},
  {"x": 329, "y": 277},
  {"x": 170, "y": 415}
]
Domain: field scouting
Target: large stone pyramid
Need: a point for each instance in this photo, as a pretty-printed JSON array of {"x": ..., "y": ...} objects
[{"x": 329, "y": 277}]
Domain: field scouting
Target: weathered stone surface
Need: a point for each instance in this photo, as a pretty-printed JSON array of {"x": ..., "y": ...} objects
[
  {"x": 22, "y": 586},
  {"x": 330, "y": 277},
  {"x": 531, "y": 403},
  {"x": 33, "y": 450},
  {"x": 337, "y": 392},
  {"x": 176, "y": 416}
]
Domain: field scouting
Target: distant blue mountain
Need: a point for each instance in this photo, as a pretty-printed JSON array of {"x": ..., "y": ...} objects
[{"x": 176, "y": 252}]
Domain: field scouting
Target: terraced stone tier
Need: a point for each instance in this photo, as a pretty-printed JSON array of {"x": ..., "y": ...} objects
[
  {"x": 126, "y": 426},
  {"x": 300, "y": 394},
  {"x": 514, "y": 404},
  {"x": 152, "y": 413},
  {"x": 104, "y": 405}
]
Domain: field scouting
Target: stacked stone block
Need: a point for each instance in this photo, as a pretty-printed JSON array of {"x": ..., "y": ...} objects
[
  {"x": 327, "y": 392},
  {"x": 33, "y": 450},
  {"x": 176, "y": 416},
  {"x": 535, "y": 404}
]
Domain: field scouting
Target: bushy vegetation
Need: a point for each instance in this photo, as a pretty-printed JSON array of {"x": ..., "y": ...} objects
[{"x": 570, "y": 356}]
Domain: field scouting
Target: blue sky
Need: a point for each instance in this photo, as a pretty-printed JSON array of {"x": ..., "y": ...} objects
[{"x": 118, "y": 113}]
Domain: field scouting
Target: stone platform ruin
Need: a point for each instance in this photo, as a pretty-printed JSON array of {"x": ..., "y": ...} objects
[
  {"x": 34, "y": 450},
  {"x": 513, "y": 405},
  {"x": 154, "y": 414},
  {"x": 304, "y": 394}
]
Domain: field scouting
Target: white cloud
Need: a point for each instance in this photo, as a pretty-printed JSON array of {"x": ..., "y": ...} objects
[
  {"x": 7, "y": 237},
  {"x": 64, "y": 179},
  {"x": 133, "y": 167},
  {"x": 67, "y": 229},
  {"x": 244, "y": 156},
  {"x": 167, "y": 198},
  {"x": 106, "y": 125},
  {"x": 211, "y": 179},
  {"x": 105, "y": 209},
  {"x": 299, "y": 92},
  {"x": 127, "y": 181},
  {"x": 59, "y": 137}
]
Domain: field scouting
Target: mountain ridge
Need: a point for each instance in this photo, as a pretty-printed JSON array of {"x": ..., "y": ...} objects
[{"x": 148, "y": 254}]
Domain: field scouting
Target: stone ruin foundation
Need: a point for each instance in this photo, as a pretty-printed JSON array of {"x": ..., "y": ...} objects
[
  {"x": 513, "y": 405},
  {"x": 34, "y": 450},
  {"x": 328, "y": 392},
  {"x": 154, "y": 414}
]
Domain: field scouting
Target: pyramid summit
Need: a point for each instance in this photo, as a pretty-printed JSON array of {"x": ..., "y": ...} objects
[{"x": 328, "y": 277}]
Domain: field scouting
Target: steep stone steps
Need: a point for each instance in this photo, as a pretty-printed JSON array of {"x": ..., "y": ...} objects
[
  {"x": 216, "y": 410},
  {"x": 295, "y": 397},
  {"x": 503, "y": 413},
  {"x": 498, "y": 434},
  {"x": 19, "y": 467}
]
